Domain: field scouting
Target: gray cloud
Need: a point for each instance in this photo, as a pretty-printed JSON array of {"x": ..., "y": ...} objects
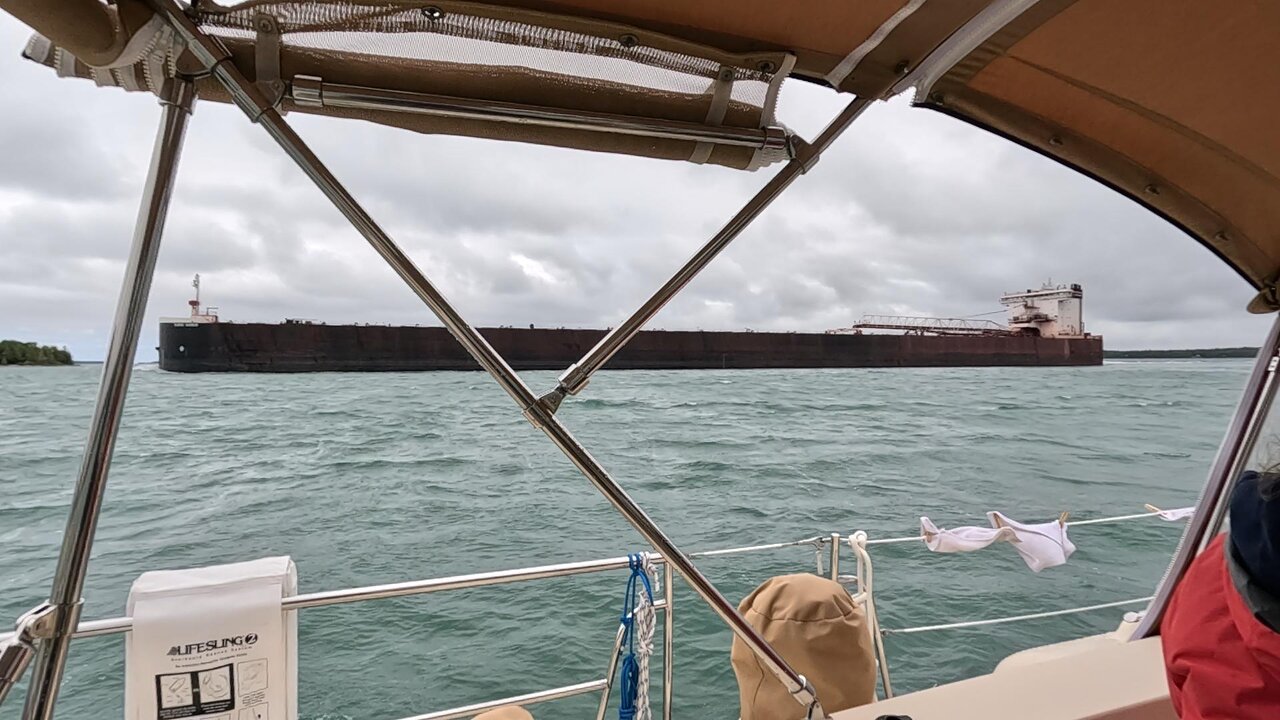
[{"x": 910, "y": 213}]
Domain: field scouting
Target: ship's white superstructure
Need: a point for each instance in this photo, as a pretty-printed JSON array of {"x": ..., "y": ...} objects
[{"x": 1051, "y": 311}]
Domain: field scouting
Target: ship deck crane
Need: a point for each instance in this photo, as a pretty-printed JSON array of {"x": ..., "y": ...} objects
[{"x": 912, "y": 325}]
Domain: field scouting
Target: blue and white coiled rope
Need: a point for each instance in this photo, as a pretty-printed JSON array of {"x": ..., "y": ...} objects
[{"x": 638, "y": 621}]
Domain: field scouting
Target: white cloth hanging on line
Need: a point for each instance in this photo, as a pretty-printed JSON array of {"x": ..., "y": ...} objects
[
  {"x": 1041, "y": 545},
  {"x": 961, "y": 539},
  {"x": 1173, "y": 515}
]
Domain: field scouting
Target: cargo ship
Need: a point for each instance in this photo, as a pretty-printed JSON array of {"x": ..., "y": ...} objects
[{"x": 1044, "y": 328}]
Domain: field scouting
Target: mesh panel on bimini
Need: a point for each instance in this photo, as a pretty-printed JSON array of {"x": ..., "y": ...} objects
[
  {"x": 430, "y": 33},
  {"x": 478, "y": 52}
]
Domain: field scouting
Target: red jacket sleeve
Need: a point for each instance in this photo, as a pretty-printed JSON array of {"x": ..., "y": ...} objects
[{"x": 1213, "y": 670}]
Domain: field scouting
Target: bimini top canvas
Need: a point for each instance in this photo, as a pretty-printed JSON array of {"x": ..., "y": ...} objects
[{"x": 1172, "y": 102}]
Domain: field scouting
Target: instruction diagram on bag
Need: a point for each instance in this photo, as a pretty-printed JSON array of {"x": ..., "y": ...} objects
[
  {"x": 189, "y": 694},
  {"x": 175, "y": 692},
  {"x": 215, "y": 684},
  {"x": 253, "y": 676}
]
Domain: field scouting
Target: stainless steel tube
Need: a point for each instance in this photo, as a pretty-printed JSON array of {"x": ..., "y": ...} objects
[
  {"x": 91, "y": 483},
  {"x": 252, "y": 102},
  {"x": 1254, "y": 430},
  {"x": 611, "y": 669},
  {"x": 668, "y": 641},
  {"x": 325, "y": 598},
  {"x": 757, "y": 548},
  {"x": 456, "y": 582},
  {"x": 577, "y": 375},
  {"x": 18, "y": 648},
  {"x": 793, "y": 681},
  {"x": 1232, "y": 455},
  {"x": 317, "y": 93},
  {"x": 15, "y": 655},
  {"x": 835, "y": 557},
  {"x": 469, "y": 337},
  {"x": 527, "y": 699}
]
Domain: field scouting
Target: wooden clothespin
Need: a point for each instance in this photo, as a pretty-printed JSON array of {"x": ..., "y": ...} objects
[
  {"x": 1062, "y": 519},
  {"x": 996, "y": 521},
  {"x": 1152, "y": 508}
]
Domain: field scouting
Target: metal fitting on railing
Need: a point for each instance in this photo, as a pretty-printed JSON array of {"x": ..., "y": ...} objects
[
  {"x": 16, "y": 652},
  {"x": 17, "y": 649},
  {"x": 835, "y": 556},
  {"x": 572, "y": 380},
  {"x": 807, "y": 696},
  {"x": 819, "y": 548}
]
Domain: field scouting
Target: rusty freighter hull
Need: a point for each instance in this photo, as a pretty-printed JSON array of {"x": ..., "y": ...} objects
[{"x": 298, "y": 347}]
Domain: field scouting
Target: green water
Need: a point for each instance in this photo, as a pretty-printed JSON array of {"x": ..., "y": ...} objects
[{"x": 373, "y": 478}]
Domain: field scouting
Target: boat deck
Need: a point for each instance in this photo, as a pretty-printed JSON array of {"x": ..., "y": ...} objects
[{"x": 1094, "y": 678}]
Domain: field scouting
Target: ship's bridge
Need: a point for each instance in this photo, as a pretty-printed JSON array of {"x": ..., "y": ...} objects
[{"x": 1051, "y": 311}]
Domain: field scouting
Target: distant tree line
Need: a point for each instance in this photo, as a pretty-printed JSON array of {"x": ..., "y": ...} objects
[
  {"x": 1231, "y": 352},
  {"x": 16, "y": 352}
]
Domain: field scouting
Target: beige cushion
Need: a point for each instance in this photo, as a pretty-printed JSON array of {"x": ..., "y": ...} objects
[
  {"x": 509, "y": 712},
  {"x": 816, "y": 627}
]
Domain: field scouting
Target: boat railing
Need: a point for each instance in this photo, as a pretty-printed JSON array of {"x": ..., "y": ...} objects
[{"x": 828, "y": 549}]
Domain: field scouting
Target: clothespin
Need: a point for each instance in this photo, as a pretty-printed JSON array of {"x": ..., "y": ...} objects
[
  {"x": 1152, "y": 508},
  {"x": 928, "y": 535},
  {"x": 1062, "y": 519},
  {"x": 996, "y": 521}
]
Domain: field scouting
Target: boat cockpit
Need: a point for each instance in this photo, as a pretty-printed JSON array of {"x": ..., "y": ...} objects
[{"x": 1171, "y": 103}]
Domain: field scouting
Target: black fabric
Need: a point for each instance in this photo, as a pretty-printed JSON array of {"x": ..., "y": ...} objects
[
  {"x": 1255, "y": 529},
  {"x": 1264, "y": 606}
]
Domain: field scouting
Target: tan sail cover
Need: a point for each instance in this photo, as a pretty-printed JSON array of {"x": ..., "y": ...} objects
[
  {"x": 817, "y": 628},
  {"x": 1171, "y": 102}
]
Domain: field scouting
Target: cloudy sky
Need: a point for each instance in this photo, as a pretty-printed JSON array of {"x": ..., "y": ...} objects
[{"x": 910, "y": 213}]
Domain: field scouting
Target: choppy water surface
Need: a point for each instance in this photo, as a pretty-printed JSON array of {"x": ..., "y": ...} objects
[{"x": 372, "y": 478}]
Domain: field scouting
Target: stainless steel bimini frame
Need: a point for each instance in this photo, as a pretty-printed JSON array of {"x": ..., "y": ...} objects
[
  {"x": 577, "y": 375},
  {"x": 49, "y": 628}
]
